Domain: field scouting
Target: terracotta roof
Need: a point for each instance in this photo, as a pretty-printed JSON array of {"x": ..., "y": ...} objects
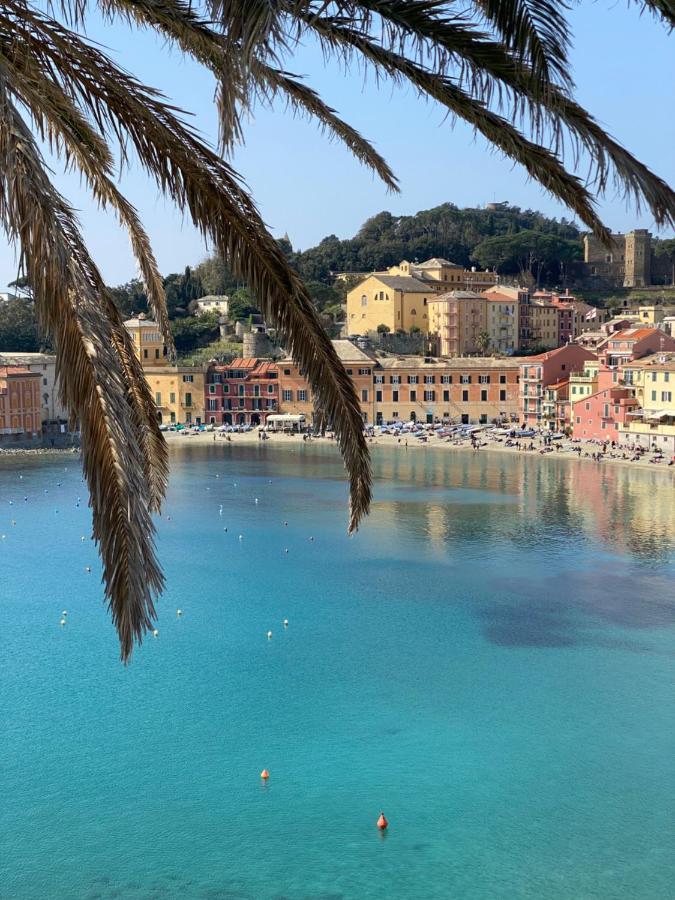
[
  {"x": 551, "y": 353},
  {"x": 452, "y": 363},
  {"x": 558, "y": 384},
  {"x": 437, "y": 263},
  {"x": 498, "y": 297},
  {"x": 15, "y": 371},
  {"x": 633, "y": 334},
  {"x": 457, "y": 295},
  {"x": 246, "y": 362}
]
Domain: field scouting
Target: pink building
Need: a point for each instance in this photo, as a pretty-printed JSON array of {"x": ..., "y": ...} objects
[
  {"x": 243, "y": 392},
  {"x": 633, "y": 343},
  {"x": 537, "y": 373},
  {"x": 600, "y": 415}
]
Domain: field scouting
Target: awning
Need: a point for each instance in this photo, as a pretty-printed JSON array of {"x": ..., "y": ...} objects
[{"x": 659, "y": 414}]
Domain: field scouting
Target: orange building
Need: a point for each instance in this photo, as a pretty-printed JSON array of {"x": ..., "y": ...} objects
[
  {"x": 295, "y": 395},
  {"x": 20, "y": 403}
]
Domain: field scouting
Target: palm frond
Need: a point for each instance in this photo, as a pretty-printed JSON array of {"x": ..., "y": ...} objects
[
  {"x": 536, "y": 31},
  {"x": 664, "y": 9},
  {"x": 539, "y": 162},
  {"x": 67, "y": 291},
  {"x": 203, "y": 185}
]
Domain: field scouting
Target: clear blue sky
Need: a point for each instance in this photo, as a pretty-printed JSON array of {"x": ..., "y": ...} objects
[{"x": 624, "y": 66}]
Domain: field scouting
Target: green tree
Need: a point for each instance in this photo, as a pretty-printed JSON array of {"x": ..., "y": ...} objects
[
  {"x": 190, "y": 333},
  {"x": 242, "y": 305},
  {"x": 533, "y": 252},
  {"x": 383, "y": 329},
  {"x": 18, "y": 328},
  {"x": 57, "y": 83}
]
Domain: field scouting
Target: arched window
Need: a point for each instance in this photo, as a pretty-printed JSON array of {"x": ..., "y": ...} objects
[
  {"x": 413, "y": 312},
  {"x": 364, "y": 300}
]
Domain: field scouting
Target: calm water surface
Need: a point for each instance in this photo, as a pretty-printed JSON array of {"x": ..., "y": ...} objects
[{"x": 490, "y": 661}]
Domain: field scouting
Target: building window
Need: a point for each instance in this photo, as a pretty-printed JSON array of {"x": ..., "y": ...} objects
[
  {"x": 226, "y": 389},
  {"x": 242, "y": 389},
  {"x": 483, "y": 419},
  {"x": 158, "y": 398},
  {"x": 213, "y": 405},
  {"x": 666, "y": 396},
  {"x": 188, "y": 399},
  {"x": 270, "y": 388},
  {"x": 212, "y": 389},
  {"x": 364, "y": 396},
  {"x": 188, "y": 379},
  {"x": 413, "y": 379},
  {"x": 302, "y": 396},
  {"x": 172, "y": 398},
  {"x": 465, "y": 379},
  {"x": 394, "y": 379},
  {"x": 364, "y": 300},
  {"x": 653, "y": 395},
  {"x": 502, "y": 395},
  {"x": 349, "y": 371},
  {"x": 379, "y": 379},
  {"x": 378, "y": 396},
  {"x": 413, "y": 396},
  {"x": 287, "y": 395},
  {"x": 430, "y": 395},
  {"x": 465, "y": 396},
  {"x": 446, "y": 379},
  {"x": 394, "y": 396},
  {"x": 446, "y": 396},
  {"x": 156, "y": 354},
  {"x": 364, "y": 371},
  {"x": 413, "y": 312},
  {"x": 484, "y": 379},
  {"x": 430, "y": 379},
  {"x": 483, "y": 396},
  {"x": 145, "y": 354},
  {"x": 287, "y": 371}
]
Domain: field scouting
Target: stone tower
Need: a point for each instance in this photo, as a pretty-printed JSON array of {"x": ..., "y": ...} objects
[{"x": 638, "y": 253}]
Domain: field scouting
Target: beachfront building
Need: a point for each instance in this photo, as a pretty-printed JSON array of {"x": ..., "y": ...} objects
[
  {"x": 457, "y": 390},
  {"x": 242, "y": 392},
  {"x": 458, "y": 322},
  {"x": 555, "y": 406},
  {"x": 601, "y": 415},
  {"x": 502, "y": 322},
  {"x": 537, "y": 373},
  {"x": 44, "y": 364},
  {"x": 178, "y": 391},
  {"x": 20, "y": 404},
  {"x": 651, "y": 423},
  {"x": 544, "y": 324},
  {"x": 295, "y": 394}
]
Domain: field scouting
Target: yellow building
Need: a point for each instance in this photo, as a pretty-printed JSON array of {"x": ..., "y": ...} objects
[
  {"x": 397, "y": 301},
  {"x": 653, "y": 425},
  {"x": 178, "y": 391},
  {"x": 398, "y": 297},
  {"x": 502, "y": 322},
  {"x": 458, "y": 322},
  {"x": 585, "y": 383},
  {"x": 654, "y": 315},
  {"x": 544, "y": 325}
]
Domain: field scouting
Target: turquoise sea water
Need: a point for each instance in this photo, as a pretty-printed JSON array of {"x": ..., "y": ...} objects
[{"x": 490, "y": 661}]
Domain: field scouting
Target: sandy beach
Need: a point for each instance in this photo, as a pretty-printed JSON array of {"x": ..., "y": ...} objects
[{"x": 433, "y": 444}]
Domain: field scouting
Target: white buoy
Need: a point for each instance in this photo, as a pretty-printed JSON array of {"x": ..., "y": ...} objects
[
  {"x": 286, "y": 550},
  {"x": 256, "y": 499},
  {"x": 179, "y": 612},
  {"x": 155, "y": 633},
  {"x": 285, "y": 623},
  {"x": 64, "y": 613},
  {"x": 4, "y": 537},
  {"x": 83, "y": 538},
  {"x": 269, "y": 635},
  {"x": 62, "y": 622},
  {"x": 87, "y": 568},
  {"x": 241, "y": 537}
]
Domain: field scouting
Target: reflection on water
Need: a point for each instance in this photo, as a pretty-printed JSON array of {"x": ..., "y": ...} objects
[{"x": 529, "y": 500}]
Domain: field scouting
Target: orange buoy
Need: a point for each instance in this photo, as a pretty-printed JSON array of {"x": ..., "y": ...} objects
[
  {"x": 382, "y": 823},
  {"x": 264, "y": 774}
]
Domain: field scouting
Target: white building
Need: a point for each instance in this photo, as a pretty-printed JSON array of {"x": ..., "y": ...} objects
[
  {"x": 213, "y": 303},
  {"x": 45, "y": 364}
]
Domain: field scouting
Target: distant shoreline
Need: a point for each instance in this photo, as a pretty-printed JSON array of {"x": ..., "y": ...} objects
[{"x": 177, "y": 439}]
